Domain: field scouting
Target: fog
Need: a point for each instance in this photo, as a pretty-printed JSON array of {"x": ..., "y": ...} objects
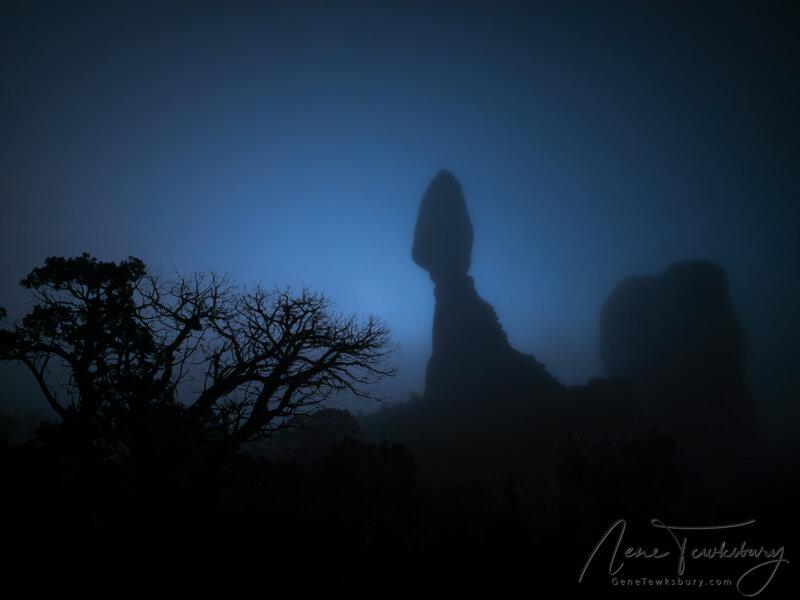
[{"x": 291, "y": 143}]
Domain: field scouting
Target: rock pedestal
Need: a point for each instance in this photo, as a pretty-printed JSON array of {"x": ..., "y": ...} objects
[{"x": 472, "y": 364}]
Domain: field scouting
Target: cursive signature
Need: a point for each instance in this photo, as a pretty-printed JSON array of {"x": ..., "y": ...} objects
[{"x": 766, "y": 560}]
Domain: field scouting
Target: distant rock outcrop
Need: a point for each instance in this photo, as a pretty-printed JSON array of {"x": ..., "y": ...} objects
[{"x": 676, "y": 340}]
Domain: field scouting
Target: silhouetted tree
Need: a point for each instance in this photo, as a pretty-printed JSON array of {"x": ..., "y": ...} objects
[
  {"x": 84, "y": 339},
  {"x": 113, "y": 346}
]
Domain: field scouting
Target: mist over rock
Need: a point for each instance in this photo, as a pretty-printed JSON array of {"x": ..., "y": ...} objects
[{"x": 676, "y": 340}]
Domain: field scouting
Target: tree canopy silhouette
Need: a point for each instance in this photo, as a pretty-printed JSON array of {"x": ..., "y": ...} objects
[{"x": 115, "y": 346}]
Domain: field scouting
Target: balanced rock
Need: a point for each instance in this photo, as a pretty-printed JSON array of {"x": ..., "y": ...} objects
[{"x": 472, "y": 364}]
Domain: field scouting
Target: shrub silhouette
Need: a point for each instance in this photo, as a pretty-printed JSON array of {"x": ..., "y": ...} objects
[{"x": 629, "y": 477}]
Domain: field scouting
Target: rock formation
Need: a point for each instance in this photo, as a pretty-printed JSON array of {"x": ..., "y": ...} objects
[
  {"x": 676, "y": 339},
  {"x": 472, "y": 366},
  {"x": 443, "y": 233},
  {"x": 671, "y": 345},
  {"x": 486, "y": 408}
]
